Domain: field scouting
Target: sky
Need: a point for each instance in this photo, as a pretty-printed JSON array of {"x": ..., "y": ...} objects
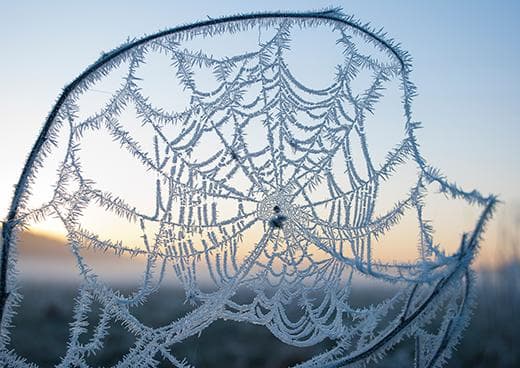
[{"x": 465, "y": 57}]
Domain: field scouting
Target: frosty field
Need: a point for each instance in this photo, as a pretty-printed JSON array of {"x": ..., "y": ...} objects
[{"x": 42, "y": 330}]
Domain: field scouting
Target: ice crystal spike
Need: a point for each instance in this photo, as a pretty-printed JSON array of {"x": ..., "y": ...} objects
[{"x": 256, "y": 185}]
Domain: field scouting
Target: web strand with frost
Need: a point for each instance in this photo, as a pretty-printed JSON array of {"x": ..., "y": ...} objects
[{"x": 248, "y": 191}]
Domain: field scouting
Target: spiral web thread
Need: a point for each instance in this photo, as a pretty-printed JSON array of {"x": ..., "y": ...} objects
[{"x": 282, "y": 184}]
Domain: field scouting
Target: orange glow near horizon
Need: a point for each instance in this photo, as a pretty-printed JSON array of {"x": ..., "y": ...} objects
[{"x": 399, "y": 247}]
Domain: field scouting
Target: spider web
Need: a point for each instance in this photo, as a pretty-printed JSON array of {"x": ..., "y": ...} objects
[{"x": 257, "y": 188}]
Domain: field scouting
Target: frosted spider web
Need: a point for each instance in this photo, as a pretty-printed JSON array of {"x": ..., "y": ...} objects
[{"x": 255, "y": 186}]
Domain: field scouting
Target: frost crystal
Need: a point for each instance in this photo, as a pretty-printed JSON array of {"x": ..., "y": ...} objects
[{"x": 262, "y": 183}]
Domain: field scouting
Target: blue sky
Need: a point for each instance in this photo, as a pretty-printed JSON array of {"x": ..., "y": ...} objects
[{"x": 466, "y": 57}]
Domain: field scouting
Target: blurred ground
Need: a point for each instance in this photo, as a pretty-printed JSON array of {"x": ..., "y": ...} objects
[
  {"x": 41, "y": 331},
  {"x": 49, "y": 284}
]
